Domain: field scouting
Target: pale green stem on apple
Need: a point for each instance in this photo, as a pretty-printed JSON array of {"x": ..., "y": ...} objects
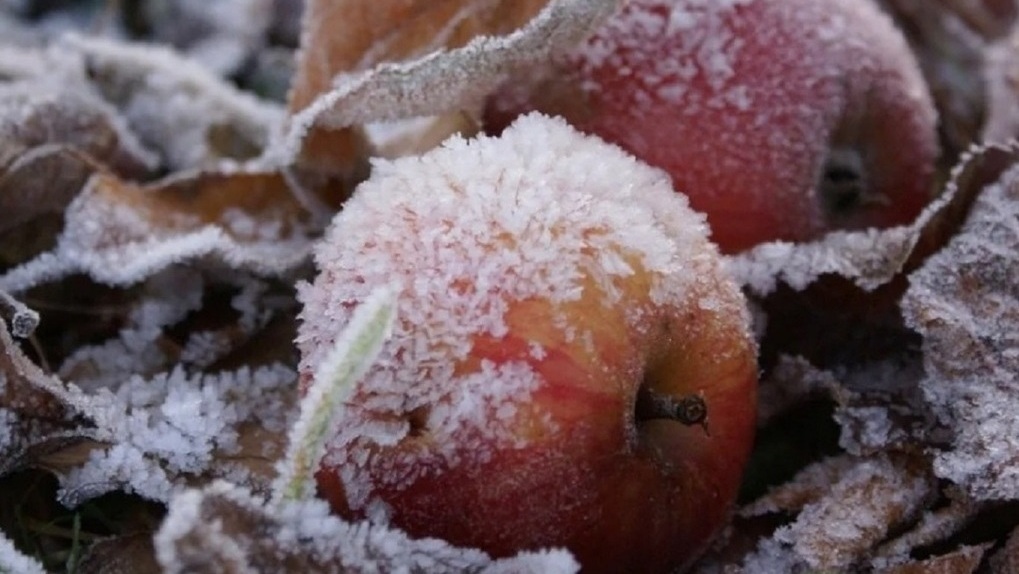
[{"x": 322, "y": 407}]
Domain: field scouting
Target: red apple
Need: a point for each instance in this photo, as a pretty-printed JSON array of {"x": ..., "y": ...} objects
[
  {"x": 570, "y": 364},
  {"x": 781, "y": 119}
]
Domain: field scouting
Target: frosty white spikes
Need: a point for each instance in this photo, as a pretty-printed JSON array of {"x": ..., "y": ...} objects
[{"x": 551, "y": 286}]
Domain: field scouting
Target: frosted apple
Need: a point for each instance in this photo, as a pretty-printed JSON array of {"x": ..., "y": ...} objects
[
  {"x": 570, "y": 364},
  {"x": 781, "y": 119}
]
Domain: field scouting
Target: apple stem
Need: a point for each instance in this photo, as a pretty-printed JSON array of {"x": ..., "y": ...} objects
[{"x": 689, "y": 410}]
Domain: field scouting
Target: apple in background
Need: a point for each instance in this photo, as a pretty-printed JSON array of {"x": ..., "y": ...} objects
[
  {"x": 780, "y": 119},
  {"x": 570, "y": 367}
]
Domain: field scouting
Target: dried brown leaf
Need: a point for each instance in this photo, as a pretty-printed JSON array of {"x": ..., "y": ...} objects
[
  {"x": 35, "y": 410},
  {"x": 791, "y": 382},
  {"x": 246, "y": 220},
  {"x": 867, "y": 502},
  {"x": 965, "y": 303},
  {"x": 964, "y": 560},
  {"x": 193, "y": 118},
  {"x": 344, "y": 36},
  {"x": 128, "y": 554},
  {"x": 808, "y": 486},
  {"x": 35, "y": 114},
  {"x": 224, "y": 528},
  {"x": 1006, "y": 559},
  {"x": 950, "y": 38},
  {"x": 223, "y": 35},
  {"x": 872, "y": 258},
  {"x": 934, "y": 526},
  {"x": 51, "y": 142},
  {"x": 1002, "y": 89},
  {"x": 478, "y": 48}
]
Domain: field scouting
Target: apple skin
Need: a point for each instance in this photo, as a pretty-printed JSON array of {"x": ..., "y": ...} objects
[
  {"x": 441, "y": 444},
  {"x": 780, "y": 119}
]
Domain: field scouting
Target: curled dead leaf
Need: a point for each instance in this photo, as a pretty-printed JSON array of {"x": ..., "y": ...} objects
[
  {"x": 344, "y": 36},
  {"x": 1006, "y": 559},
  {"x": 193, "y": 118},
  {"x": 403, "y": 60},
  {"x": 965, "y": 303},
  {"x": 120, "y": 233},
  {"x": 225, "y": 528},
  {"x": 128, "y": 554},
  {"x": 950, "y": 39},
  {"x": 864, "y": 504},
  {"x": 934, "y": 526},
  {"x": 964, "y": 560}
]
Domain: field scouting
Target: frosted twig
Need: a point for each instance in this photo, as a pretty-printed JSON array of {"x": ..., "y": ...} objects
[{"x": 21, "y": 320}]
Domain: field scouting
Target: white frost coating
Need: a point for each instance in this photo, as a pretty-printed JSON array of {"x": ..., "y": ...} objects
[
  {"x": 833, "y": 533},
  {"x": 323, "y": 406},
  {"x": 444, "y": 81},
  {"x": 168, "y": 298},
  {"x": 707, "y": 47},
  {"x": 467, "y": 230},
  {"x": 173, "y": 103},
  {"x": 965, "y": 303},
  {"x": 114, "y": 244},
  {"x": 14, "y": 562},
  {"x": 173, "y": 425},
  {"x": 222, "y": 35},
  {"x": 306, "y": 534},
  {"x": 868, "y": 257}
]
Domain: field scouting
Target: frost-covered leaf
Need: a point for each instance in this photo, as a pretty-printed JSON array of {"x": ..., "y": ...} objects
[
  {"x": 447, "y": 80},
  {"x": 37, "y": 113},
  {"x": 866, "y": 503},
  {"x": 191, "y": 116},
  {"x": 871, "y": 258},
  {"x": 463, "y": 49},
  {"x": 809, "y": 485},
  {"x": 965, "y": 303},
  {"x": 790, "y": 382},
  {"x": 52, "y": 139},
  {"x": 818, "y": 306},
  {"x": 34, "y": 408},
  {"x": 881, "y": 408},
  {"x": 225, "y": 528},
  {"x": 126, "y": 425},
  {"x": 1002, "y": 89},
  {"x": 934, "y": 526},
  {"x": 130, "y": 554},
  {"x": 878, "y": 405},
  {"x": 163, "y": 431},
  {"x": 963, "y": 560},
  {"x": 184, "y": 391},
  {"x": 950, "y": 40},
  {"x": 120, "y": 233},
  {"x": 344, "y": 36},
  {"x": 1006, "y": 559},
  {"x": 222, "y": 35}
]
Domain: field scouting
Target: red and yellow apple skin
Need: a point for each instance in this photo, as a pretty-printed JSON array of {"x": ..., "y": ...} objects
[
  {"x": 780, "y": 119},
  {"x": 558, "y": 300}
]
